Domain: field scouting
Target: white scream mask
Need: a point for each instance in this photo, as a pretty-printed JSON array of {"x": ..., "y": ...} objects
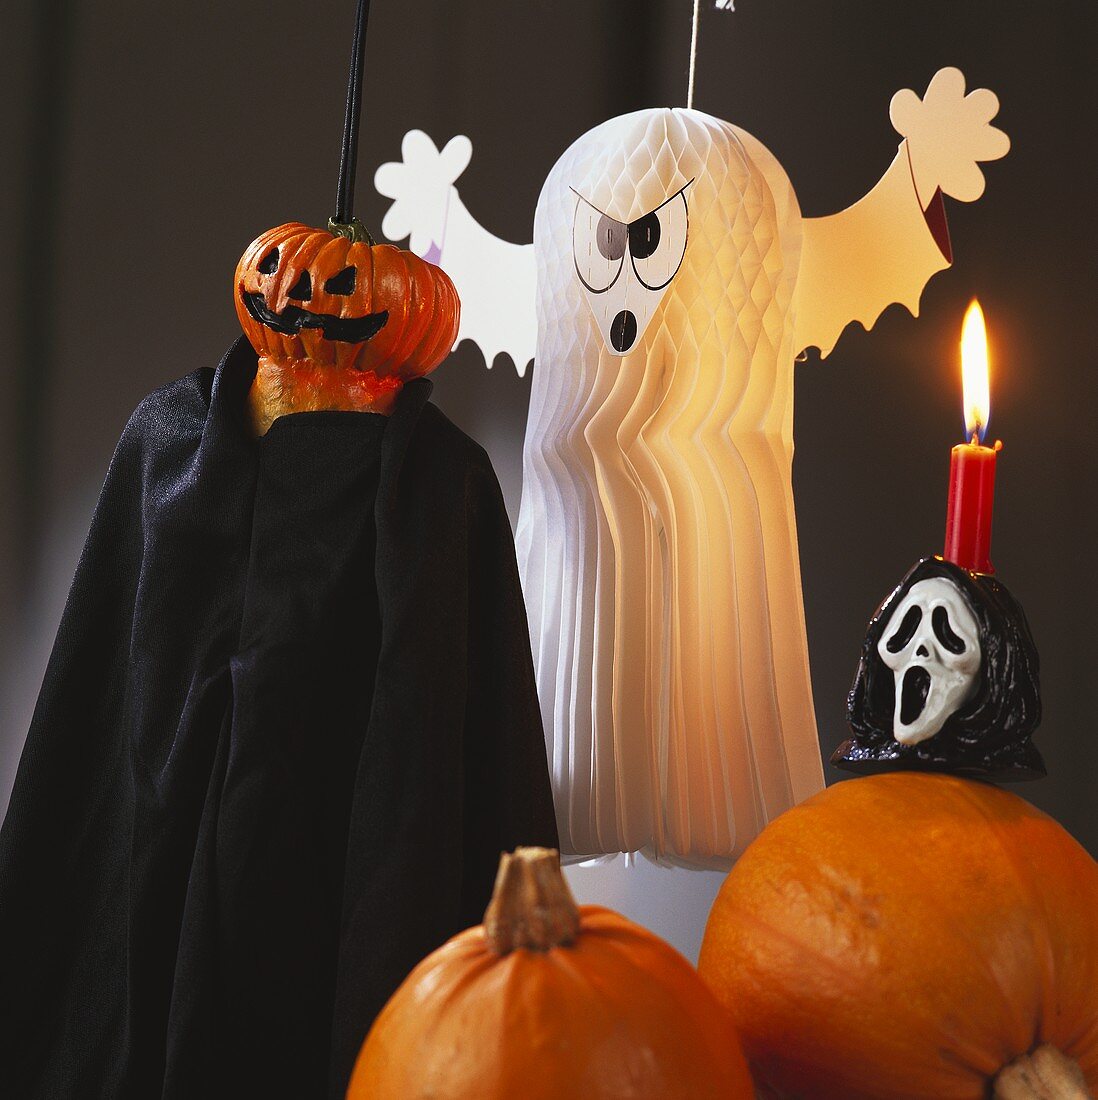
[{"x": 932, "y": 645}]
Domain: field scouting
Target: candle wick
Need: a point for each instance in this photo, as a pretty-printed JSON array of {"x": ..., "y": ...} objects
[{"x": 976, "y": 438}]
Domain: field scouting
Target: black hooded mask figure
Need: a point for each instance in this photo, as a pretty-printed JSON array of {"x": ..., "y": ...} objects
[{"x": 947, "y": 680}]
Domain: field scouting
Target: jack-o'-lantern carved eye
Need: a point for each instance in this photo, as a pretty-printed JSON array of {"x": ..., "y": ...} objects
[
  {"x": 302, "y": 290},
  {"x": 343, "y": 283},
  {"x": 269, "y": 264}
]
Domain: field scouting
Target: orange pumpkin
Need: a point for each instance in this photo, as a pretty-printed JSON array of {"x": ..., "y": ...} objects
[
  {"x": 549, "y": 1002},
  {"x": 911, "y": 935},
  {"x": 339, "y": 322}
]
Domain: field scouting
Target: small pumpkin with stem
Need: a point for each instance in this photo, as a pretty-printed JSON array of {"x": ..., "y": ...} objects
[
  {"x": 550, "y": 1001},
  {"x": 908, "y": 936}
]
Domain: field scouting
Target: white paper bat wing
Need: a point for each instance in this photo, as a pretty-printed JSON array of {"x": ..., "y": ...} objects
[
  {"x": 494, "y": 278},
  {"x": 885, "y": 248},
  {"x": 857, "y": 262}
]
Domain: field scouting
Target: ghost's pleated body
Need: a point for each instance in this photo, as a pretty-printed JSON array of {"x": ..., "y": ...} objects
[{"x": 657, "y": 536}]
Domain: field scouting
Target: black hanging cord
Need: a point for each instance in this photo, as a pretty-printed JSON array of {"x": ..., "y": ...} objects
[{"x": 345, "y": 192}]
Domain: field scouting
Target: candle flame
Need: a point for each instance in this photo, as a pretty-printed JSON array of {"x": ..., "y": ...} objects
[{"x": 974, "y": 372}]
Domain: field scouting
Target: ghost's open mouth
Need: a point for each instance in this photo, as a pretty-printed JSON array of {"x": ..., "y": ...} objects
[
  {"x": 623, "y": 331},
  {"x": 913, "y": 693},
  {"x": 291, "y": 321}
]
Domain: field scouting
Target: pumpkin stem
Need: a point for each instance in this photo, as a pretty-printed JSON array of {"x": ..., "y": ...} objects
[
  {"x": 353, "y": 230},
  {"x": 531, "y": 904},
  {"x": 1044, "y": 1074}
]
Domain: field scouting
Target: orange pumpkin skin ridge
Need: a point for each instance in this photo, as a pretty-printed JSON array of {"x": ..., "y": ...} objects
[
  {"x": 618, "y": 1015},
  {"x": 305, "y": 371},
  {"x": 905, "y": 936}
]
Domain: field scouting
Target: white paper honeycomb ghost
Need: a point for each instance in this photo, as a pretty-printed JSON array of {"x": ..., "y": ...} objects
[{"x": 676, "y": 283}]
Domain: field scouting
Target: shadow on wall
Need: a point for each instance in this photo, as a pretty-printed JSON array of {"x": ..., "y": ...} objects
[{"x": 31, "y": 634}]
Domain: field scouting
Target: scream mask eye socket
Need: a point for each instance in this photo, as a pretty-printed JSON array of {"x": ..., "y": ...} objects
[
  {"x": 944, "y": 632},
  {"x": 657, "y": 242},
  {"x": 906, "y": 631},
  {"x": 934, "y": 654}
]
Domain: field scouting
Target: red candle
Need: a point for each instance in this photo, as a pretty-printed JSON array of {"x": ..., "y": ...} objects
[
  {"x": 972, "y": 465},
  {"x": 971, "y": 500}
]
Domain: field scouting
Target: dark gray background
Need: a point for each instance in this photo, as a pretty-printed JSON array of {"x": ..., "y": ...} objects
[{"x": 147, "y": 143}]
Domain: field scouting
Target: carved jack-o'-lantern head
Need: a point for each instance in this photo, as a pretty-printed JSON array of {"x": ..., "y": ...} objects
[{"x": 339, "y": 323}]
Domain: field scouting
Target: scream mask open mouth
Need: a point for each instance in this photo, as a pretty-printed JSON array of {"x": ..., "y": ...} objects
[
  {"x": 293, "y": 319},
  {"x": 915, "y": 687}
]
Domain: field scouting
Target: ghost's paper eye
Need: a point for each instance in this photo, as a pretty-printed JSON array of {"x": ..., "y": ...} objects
[
  {"x": 657, "y": 242},
  {"x": 598, "y": 243}
]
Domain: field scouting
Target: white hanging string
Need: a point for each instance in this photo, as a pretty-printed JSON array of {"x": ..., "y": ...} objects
[{"x": 693, "y": 55}]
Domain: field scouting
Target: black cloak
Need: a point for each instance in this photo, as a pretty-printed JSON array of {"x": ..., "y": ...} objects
[{"x": 288, "y": 726}]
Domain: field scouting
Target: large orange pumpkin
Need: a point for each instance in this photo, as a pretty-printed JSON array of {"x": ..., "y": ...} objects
[
  {"x": 547, "y": 1002},
  {"x": 907, "y": 936},
  {"x": 339, "y": 322}
]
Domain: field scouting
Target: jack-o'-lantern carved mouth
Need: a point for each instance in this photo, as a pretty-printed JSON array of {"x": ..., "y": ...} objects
[{"x": 293, "y": 319}]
